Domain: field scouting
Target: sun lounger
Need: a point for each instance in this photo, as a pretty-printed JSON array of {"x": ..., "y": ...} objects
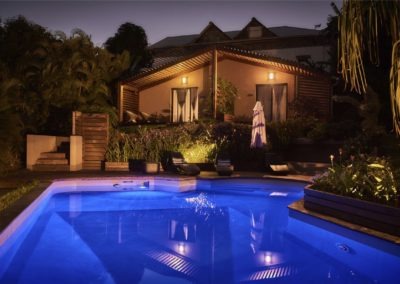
[
  {"x": 179, "y": 165},
  {"x": 276, "y": 165}
]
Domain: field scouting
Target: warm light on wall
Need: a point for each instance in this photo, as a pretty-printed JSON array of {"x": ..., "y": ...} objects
[
  {"x": 271, "y": 76},
  {"x": 185, "y": 80}
]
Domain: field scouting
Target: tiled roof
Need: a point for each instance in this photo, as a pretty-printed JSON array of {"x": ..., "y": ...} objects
[{"x": 282, "y": 31}]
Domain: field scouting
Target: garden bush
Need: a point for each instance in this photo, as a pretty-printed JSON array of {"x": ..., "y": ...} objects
[
  {"x": 364, "y": 177},
  {"x": 199, "y": 142}
]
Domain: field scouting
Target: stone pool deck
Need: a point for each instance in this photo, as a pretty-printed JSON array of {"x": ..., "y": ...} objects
[{"x": 15, "y": 179}]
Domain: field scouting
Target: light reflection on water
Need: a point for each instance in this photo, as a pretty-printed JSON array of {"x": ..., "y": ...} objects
[{"x": 203, "y": 237}]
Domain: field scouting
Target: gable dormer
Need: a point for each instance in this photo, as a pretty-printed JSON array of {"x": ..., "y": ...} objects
[
  {"x": 211, "y": 33},
  {"x": 253, "y": 30}
]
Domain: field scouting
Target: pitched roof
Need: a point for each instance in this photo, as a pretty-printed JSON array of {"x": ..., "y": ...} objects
[
  {"x": 211, "y": 33},
  {"x": 168, "y": 69},
  {"x": 281, "y": 31},
  {"x": 244, "y": 33}
]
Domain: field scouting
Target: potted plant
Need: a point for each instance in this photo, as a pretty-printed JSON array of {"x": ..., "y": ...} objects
[
  {"x": 362, "y": 190},
  {"x": 118, "y": 153},
  {"x": 227, "y": 93},
  {"x": 152, "y": 156}
]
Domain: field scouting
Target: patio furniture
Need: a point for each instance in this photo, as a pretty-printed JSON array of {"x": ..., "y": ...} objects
[
  {"x": 178, "y": 164},
  {"x": 276, "y": 165},
  {"x": 223, "y": 166}
]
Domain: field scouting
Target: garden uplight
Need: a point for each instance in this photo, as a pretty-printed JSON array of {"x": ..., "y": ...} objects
[
  {"x": 267, "y": 258},
  {"x": 332, "y": 157},
  {"x": 181, "y": 248}
]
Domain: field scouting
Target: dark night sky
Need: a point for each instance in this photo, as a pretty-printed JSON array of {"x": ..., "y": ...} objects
[{"x": 101, "y": 19}]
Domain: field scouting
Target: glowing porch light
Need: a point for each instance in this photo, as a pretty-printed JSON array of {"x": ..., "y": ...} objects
[
  {"x": 271, "y": 75},
  {"x": 185, "y": 80}
]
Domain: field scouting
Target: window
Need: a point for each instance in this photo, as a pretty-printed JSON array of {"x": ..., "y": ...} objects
[
  {"x": 255, "y": 32},
  {"x": 185, "y": 105},
  {"x": 273, "y": 97}
]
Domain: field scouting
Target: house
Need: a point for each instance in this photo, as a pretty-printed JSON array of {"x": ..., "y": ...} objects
[{"x": 275, "y": 66}]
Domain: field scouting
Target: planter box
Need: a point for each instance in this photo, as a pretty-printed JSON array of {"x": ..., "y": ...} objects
[
  {"x": 151, "y": 168},
  {"x": 368, "y": 214},
  {"x": 116, "y": 166}
]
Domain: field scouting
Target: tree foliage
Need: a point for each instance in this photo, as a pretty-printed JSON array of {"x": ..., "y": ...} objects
[
  {"x": 131, "y": 38},
  {"x": 363, "y": 25},
  {"x": 57, "y": 74},
  {"x": 46, "y": 76}
]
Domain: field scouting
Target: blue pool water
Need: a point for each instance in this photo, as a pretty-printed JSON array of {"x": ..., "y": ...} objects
[{"x": 228, "y": 232}]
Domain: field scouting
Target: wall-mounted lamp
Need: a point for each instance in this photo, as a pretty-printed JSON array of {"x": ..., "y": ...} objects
[
  {"x": 185, "y": 80},
  {"x": 271, "y": 76}
]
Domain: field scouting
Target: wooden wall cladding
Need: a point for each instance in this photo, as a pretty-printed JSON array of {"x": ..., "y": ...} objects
[{"x": 317, "y": 90}]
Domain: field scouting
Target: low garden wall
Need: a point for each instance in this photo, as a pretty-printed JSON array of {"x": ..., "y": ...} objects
[{"x": 368, "y": 214}]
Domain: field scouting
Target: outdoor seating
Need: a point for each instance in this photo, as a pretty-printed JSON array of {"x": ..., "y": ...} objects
[
  {"x": 275, "y": 164},
  {"x": 178, "y": 164},
  {"x": 223, "y": 166}
]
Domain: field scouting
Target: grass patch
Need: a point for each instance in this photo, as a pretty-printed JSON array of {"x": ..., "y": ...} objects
[{"x": 9, "y": 198}]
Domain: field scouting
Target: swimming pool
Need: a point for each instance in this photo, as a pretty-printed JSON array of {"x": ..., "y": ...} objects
[{"x": 226, "y": 231}]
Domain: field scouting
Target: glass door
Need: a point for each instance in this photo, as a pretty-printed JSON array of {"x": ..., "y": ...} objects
[
  {"x": 273, "y": 97},
  {"x": 185, "y": 104}
]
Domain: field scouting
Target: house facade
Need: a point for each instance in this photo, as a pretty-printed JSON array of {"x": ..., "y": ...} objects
[{"x": 182, "y": 83}]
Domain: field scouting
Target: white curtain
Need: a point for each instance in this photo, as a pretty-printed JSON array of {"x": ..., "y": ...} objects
[
  {"x": 184, "y": 105},
  {"x": 194, "y": 104},
  {"x": 279, "y": 101}
]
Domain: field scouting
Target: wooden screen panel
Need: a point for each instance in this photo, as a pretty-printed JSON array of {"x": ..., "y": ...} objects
[
  {"x": 94, "y": 131},
  {"x": 318, "y": 91},
  {"x": 131, "y": 100}
]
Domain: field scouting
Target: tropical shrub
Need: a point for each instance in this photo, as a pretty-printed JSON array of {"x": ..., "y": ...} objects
[
  {"x": 120, "y": 148},
  {"x": 364, "y": 177},
  {"x": 227, "y": 93}
]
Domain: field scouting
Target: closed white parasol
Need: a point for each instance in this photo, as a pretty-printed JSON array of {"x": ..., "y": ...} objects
[{"x": 258, "y": 134}]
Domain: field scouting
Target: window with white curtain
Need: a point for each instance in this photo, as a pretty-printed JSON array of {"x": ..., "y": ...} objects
[
  {"x": 185, "y": 105},
  {"x": 273, "y": 97}
]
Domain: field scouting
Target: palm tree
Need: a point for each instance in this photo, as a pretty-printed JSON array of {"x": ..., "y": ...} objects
[{"x": 361, "y": 24}]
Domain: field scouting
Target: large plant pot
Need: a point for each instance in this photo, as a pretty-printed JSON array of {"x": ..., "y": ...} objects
[
  {"x": 229, "y": 117},
  {"x": 116, "y": 166},
  {"x": 151, "y": 167},
  {"x": 368, "y": 214}
]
